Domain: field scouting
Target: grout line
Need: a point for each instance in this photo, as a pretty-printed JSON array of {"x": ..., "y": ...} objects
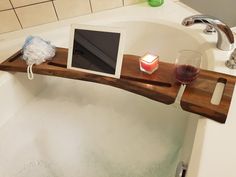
[
  {"x": 31, "y": 4},
  {"x": 55, "y": 10},
  {"x": 16, "y": 15},
  {"x": 90, "y": 3},
  {"x": 6, "y": 9}
]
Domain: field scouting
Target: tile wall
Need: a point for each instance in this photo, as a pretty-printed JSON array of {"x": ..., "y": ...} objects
[{"x": 19, "y": 14}]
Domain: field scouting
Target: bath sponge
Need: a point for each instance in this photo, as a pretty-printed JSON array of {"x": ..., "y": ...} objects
[{"x": 36, "y": 51}]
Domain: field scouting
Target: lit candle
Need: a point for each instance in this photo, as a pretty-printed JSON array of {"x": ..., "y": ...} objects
[{"x": 149, "y": 63}]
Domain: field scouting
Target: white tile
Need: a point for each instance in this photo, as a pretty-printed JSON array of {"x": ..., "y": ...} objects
[
  {"x": 8, "y": 21},
  {"x": 129, "y": 2},
  {"x": 36, "y": 14},
  {"x": 18, "y": 3},
  {"x": 72, "y": 8},
  {"x": 99, "y": 5},
  {"x": 5, "y": 4}
]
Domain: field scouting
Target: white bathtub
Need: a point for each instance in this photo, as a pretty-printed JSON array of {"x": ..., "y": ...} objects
[{"x": 55, "y": 127}]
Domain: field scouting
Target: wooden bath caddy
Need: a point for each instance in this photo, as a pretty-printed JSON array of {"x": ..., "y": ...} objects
[{"x": 161, "y": 86}]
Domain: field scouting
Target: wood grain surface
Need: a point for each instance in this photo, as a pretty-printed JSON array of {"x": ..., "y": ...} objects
[{"x": 161, "y": 86}]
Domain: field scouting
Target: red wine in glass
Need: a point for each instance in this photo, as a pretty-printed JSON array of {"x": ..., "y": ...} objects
[{"x": 186, "y": 73}]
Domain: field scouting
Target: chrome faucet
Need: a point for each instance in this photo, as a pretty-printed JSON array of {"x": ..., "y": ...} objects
[{"x": 225, "y": 36}]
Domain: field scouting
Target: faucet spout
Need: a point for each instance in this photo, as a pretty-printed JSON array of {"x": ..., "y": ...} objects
[{"x": 225, "y": 36}]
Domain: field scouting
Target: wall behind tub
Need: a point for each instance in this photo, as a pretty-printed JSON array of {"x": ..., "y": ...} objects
[
  {"x": 224, "y": 10},
  {"x": 19, "y": 14}
]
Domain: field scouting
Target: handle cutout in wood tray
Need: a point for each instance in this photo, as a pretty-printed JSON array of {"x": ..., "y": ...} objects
[
  {"x": 198, "y": 95},
  {"x": 218, "y": 91}
]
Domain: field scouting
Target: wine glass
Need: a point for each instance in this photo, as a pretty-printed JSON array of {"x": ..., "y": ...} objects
[{"x": 187, "y": 66}]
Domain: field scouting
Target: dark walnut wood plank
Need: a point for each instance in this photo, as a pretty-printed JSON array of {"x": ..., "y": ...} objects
[
  {"x": 159, "y": 86},
  {"x": 197, "y": 96},
  {"x": 130, "y": 70}
]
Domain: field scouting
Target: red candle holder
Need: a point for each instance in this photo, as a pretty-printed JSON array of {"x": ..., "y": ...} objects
[{"x": 149, "y": 63}]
